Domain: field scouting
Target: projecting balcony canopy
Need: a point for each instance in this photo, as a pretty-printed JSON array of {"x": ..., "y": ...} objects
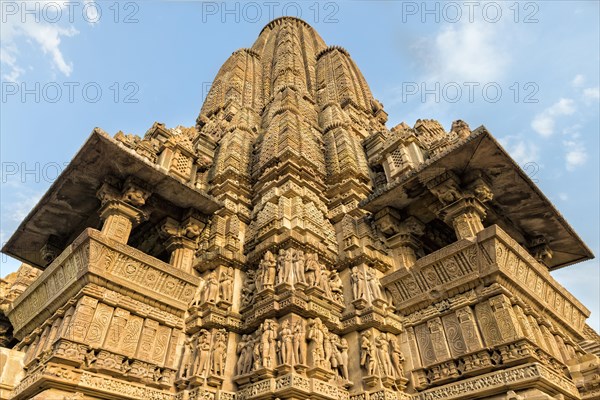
[
  {"x": 517, "y": 205},
  {"x": 71, "y": 204}
]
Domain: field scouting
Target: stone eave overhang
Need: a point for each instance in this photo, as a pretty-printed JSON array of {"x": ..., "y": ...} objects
[
  {"x": 516, "y": 197},
  {"x": 70, "y": 203}
]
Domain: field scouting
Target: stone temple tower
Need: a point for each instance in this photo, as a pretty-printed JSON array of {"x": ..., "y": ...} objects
[{"x": 291, "y": 246}]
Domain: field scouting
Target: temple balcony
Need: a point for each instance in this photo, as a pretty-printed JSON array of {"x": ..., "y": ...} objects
[
  {"x": 484, "y": 304},
  {"x": 116, "y": 237}
]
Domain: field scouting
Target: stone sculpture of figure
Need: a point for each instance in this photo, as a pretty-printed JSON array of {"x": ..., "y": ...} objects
[
  {"x": 335, "y": 284},
  {"x": 186, "y": 359},
  {"x": 324, "y": 284},
  {"x": 342, "y": 347},
  {"x": 299, "y": 351},
  {"x": 313, "y": 270},
  {"x": 200, "y": 292},
  {"x": 226, "y": 285},
  {"x": 242, "y": 352},
  {"x": 358, "y": 284},
  {"x": 298, "y": 266},
  {"x": 383, "y": 355},
  {"x": 287, "y": 343},
  {"x": 270, "y": 270},
  {"x": 281, "y": 266},
  {"x": 317, "y": 338},
  {"x": 212, "y": 288},
  {"x": 256, "y": 349},
  {"x": 268, "y": 343},
  {"x": 328, "y": 348},
  {"x": 219, "y": 353},
  {"x": 249, "y": 287},
  {"x": 260, "y": 276},
  {"x": 203, "y": 353},
  {"x": 288, "y": 267},
  {"x": 366, "y": 354},
  {"x": 396, "y": 355},
  {"x": 374, "y": 286}
]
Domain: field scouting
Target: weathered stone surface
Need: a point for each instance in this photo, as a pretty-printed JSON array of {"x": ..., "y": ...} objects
[{"x": 290, "y": 246}]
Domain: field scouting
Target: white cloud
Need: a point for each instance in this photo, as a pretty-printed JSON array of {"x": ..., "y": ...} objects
[
  {"x": 522, "y": 151},
  {"x": 576, "y": 154},
  {"x": 563, "y": 196},
  {"x": 578, "y": 80},
  {"x": 544, "y": 122},
  {"x": 465, "y": 52},
  {"x": 591, "y": 94},
  {"x": 37, "y": 30}
]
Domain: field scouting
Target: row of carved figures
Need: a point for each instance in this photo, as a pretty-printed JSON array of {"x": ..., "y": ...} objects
[
  {"x": 295, "y": 268},
  {"x": 274, "y": 344},
  {"x": 215, "y": 288},
  {"x": 380, "y": 355},
  {"x": 204, "y": 354}
]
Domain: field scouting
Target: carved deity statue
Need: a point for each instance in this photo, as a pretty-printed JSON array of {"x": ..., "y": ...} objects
[
  {"x": 219, "y": 353},
  {"x": 186, "y": 359},
  {"x": 312, "y": 270},
  {"x": 374, "y": 286},
  {"x": 342, "y": 358},
  {"x": 242, "y": 352},
  {"x": 199, "y": 294},
  {"x": 212, "y": 288},
  {"x": 367, "y": 360},
  {"x": 226, "y": 285},
  {"x": 249, "y": 287},
  {"x": 298, "y": 343},
  {"x": 335, "y": 284},
  {"x": 298, "y": 266},
  {"x": 286, "y": 337},
  {"x": 383, "y": 355},
  {"x": 269, "y": 270},
  {"x": 396, "y": 355},
  {"x": 317, "y": 338},
  {"x": 203, "y": 353},
  {"x": 268, "y": 343},
  {"x": 358, "y": 284}
]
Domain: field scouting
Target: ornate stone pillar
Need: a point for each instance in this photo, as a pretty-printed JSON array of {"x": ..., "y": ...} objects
[
  {"x": 403, "y": 235},
  {"x": 464, "y": 210},
  {"x": 120, "y": 209},
  {"x": 406, "y": 242},
  {"x": 182, "y": 240}
]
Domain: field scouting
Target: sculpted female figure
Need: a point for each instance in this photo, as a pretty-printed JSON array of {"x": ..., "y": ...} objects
[
  {"x": 299, "y": 351},
  {"x": 270, "y": 270},
  {"x": 212, "y": 288},
  {"x": 287, "y": 339}
]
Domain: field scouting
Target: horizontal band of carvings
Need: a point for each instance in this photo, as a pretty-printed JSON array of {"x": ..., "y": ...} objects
[
  {"x": 97, "y": 385},
  {"x": 481, "y": 361},
  {"x": 292, "y": 385},
  {"x": 490, "y": 257},
  {"x": 209, "y": 316},
  {"x": 500, "y": 381},
  {"x": 305, "y": 305},
  {"x": 371, "y": 317},
  {"x": 94, "y": 258},
  {"x": 383, "y": 394}
]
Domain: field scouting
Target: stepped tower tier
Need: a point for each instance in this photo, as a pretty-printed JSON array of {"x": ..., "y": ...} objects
[{"x": 291, "y": 246}]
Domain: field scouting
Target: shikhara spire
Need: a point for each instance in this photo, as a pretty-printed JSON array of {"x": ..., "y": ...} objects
[{"x": 291, "y": 246}]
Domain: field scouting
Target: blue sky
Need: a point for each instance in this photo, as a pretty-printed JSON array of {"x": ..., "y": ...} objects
[{"x": 528, "y": 71}]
